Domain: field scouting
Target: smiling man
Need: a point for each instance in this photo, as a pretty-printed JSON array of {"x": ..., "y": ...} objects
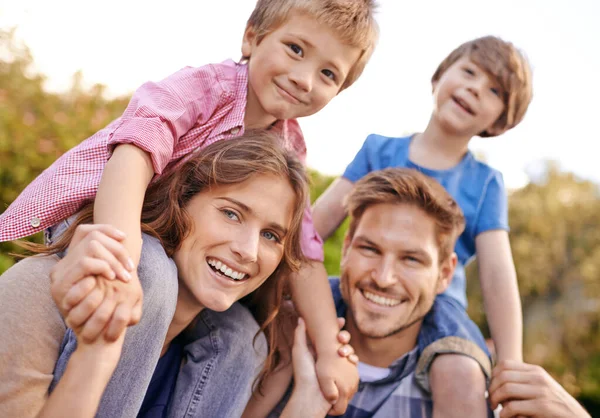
[{"x": 397, "y": 257}]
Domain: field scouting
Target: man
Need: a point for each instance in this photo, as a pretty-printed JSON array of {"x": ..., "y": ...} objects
[{"x": 397, "y": 257}]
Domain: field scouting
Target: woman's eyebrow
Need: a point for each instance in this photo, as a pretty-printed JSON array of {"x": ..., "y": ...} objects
[{"x": 272, "y": 225}]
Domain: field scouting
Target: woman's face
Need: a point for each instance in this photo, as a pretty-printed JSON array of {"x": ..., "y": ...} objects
[{"x": 236, "y": 240}]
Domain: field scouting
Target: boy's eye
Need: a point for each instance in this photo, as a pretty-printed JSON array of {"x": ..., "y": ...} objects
[
  {"x": 230, "y": 214},
  {"x": 270, "y": 236},
  {"x": 469, "y": 71},
  {"x": 296, "y": 49},
  {"x": 495, "y": 91},
  {"x": 329, "y": 74}
]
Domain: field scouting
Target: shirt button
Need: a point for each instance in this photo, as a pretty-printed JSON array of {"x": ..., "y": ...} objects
[
  {"x": 234, "y": 131},
  {"x": 35, "y": 222}
]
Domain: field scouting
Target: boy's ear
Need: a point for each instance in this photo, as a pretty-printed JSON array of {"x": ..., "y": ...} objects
[
  {"x": 446, "y": 273},
  {"x": 249, "y": 41},
  {"x": 495, "y": 130}
]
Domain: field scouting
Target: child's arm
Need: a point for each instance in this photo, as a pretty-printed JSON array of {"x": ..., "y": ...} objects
[
  {"x": 119, "y": 203},
  {"x": 313, "y": 300},
  {"x": 500, "y": 293},
  {"x": 328, "y": 210}
]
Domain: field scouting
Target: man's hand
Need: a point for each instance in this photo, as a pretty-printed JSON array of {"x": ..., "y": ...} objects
[
  {"x": 84, "y": 288},
  {"x": 528, "y": 390}
]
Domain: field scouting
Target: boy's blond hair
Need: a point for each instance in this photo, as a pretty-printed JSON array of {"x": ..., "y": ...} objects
[
  {"x": 351, "y": 20},
  {"x": 505, "y": 64}
]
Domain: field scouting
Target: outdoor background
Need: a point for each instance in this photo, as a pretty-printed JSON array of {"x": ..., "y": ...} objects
[{"x": 67, "y": 70}]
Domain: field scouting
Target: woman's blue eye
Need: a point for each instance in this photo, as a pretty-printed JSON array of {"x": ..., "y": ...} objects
[
  {"x": 230, "y": 214},
  {"x": 329, "y": 74},
  {"x": 296, "y": 49},
  {"x": 270, "y": 236}
]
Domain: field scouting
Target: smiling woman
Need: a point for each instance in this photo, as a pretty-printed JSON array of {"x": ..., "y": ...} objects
[{"x": 230, "y": 219}]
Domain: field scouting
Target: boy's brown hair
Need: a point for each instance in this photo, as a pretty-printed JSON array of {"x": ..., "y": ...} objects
[
  {"x": 351, "y": 20},
  {"x": 503, "y": 62},
  {"x": 409, "y": 187}
]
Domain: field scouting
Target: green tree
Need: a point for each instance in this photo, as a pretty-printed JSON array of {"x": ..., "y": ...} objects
[{"x": 36, "y": 127}]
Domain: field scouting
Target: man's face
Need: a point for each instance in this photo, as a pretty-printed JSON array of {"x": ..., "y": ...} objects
[{"x": 391, "y": 270}]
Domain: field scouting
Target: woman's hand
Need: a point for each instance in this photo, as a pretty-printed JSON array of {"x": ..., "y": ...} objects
[
  {"x": 83, "y": 283},
  {"x": 528, "y": 390},
  {"x": 307, "y": 400}
]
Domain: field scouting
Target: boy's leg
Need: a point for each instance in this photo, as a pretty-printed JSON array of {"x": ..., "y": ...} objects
[
  {"x": 221, "y": 362},
  {"x": 143, "y": 342},
  {"x": 454, "y": 364}
]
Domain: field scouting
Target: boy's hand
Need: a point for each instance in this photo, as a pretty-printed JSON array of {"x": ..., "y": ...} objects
[
  {"x": 338, "y": 379},
  {"x": 117, "y": 306},
  {"x": 83, "y": 285}
]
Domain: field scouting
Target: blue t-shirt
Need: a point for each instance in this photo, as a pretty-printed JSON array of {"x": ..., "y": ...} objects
[
  {"x": 157, "y": 398},
  {"x": 477, "y": 188}
]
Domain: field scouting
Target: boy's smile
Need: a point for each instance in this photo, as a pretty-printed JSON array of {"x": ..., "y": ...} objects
[
  {"x": 467, "y": 101},
  {"x": 294, "y": 71}
]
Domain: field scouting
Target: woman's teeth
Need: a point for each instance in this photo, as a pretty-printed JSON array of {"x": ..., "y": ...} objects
[{"x": 226, "y": 270}]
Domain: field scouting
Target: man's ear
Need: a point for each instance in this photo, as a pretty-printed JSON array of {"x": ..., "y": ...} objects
[
  {"x": 346, "y": 246},
  {"x": 446, "y": 273},
  {"x": 249, "y": 41}
]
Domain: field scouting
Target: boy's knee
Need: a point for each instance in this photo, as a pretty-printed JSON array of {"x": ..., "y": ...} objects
[{"x": 449, "y": 369}]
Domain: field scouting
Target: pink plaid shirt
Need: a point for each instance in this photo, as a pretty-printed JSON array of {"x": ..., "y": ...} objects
[{"x": 170, "y": 120}]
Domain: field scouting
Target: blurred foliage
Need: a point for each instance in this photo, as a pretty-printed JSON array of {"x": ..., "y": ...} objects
[
  {"x": 36, "y": 127},
  {"x": 555, "y": 222}
]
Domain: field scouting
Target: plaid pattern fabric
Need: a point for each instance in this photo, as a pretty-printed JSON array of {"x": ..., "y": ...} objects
[{"x": 169, "y": 119}]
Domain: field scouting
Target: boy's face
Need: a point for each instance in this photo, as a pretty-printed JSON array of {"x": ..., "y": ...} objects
[
  {"x": 466, "y": 100},
  {"x": 294, "y": 71},
  {"x": 391, "y": 271}
]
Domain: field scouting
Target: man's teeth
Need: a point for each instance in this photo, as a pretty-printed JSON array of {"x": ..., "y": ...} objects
[
  {"x": 380, "y": 300},
  {"x": 226, "y": 270}
]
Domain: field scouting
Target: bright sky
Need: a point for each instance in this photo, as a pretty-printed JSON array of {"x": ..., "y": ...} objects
[{"x": 123, "y": 43}]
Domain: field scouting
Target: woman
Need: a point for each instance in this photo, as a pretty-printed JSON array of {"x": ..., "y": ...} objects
[{"x": 230, "y": 219}]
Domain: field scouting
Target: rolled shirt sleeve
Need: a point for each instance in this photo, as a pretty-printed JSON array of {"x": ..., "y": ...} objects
[{"x": 160, "y": 113}]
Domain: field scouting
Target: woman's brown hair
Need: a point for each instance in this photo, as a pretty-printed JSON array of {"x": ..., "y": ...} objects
[{"x": 233, "y": 161}]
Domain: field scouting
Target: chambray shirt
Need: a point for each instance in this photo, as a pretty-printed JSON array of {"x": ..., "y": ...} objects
[
  {"x": 477, "y": 188},
  {"x": 170, "y": 120}
]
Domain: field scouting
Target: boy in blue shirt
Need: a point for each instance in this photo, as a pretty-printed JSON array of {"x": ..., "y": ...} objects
[{"x": 482, "y": 88}]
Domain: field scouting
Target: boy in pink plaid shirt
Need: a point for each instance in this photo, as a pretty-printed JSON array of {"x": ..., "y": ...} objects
[{"x": 297, "y": 56}]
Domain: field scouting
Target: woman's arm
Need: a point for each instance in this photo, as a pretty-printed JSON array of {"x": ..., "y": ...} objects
[
  {"x": 306, "y": 401},
  {"x": 80, "y": 389},
  {"x": 31, "y": 334}
]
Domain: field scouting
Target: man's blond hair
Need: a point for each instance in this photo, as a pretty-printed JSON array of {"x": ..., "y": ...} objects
[{"x": 351, "y": 20}]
